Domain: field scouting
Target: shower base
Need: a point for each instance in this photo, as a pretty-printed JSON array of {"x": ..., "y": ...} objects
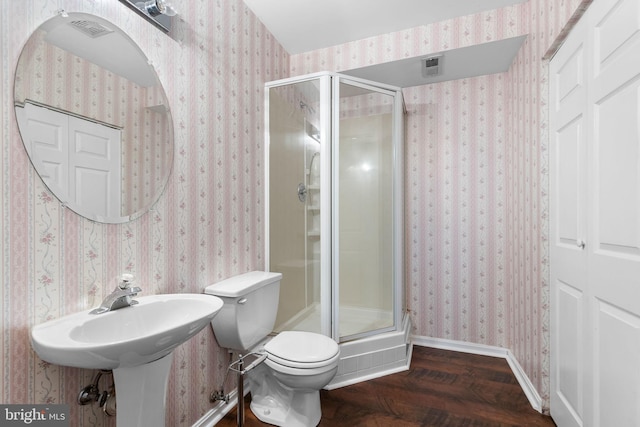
[
  {"x": 374, "y": 356},
  {"x": 353, "y": 320},
  {"x": 366, "y": 358}
]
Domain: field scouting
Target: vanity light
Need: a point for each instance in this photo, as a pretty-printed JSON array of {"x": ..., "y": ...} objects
[{"x": 157, "y": 7}]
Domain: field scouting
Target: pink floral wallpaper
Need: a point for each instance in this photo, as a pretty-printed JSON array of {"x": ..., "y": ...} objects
[
  {"x": 527, "y": 204},
  {"x": 476, "y": 181},
  {"x": 455, "y": 187},
  {"x": 207, "y": 225}
]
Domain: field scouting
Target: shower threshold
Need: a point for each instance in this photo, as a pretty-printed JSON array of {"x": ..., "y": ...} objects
[{"x": 353, "y": 320}]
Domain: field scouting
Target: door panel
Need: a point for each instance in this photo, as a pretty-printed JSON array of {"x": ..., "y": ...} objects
[
  {"x": 94, "y": 166},
  {"x": 570, "y": 152},
  {"x": 46, "y": 142},
  {"x": 617, "y": 375},
  {"x": 570, "y": 379},
  {"x": 568, "y": 180},
  {"x": 616, "y": 166},
  {"x": 615, "y": 263},
  {"x": 602, "y": 307},
  {"x": 616, "y": 29},
  {"x": 614, "y": 97}
]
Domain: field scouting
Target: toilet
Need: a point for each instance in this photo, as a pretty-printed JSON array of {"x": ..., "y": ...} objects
[{"x": 285, "y": 389}]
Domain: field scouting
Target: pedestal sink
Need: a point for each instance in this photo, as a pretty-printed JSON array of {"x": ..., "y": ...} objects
[{"x": 135, "y": 342}]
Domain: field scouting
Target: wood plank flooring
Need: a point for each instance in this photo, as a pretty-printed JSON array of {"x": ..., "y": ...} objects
[{"x": 442, "y": 388}]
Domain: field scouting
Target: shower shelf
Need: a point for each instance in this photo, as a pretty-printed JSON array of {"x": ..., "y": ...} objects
[
  {"x": 313, "y": 208},
  {"x": 313, "y": 233}
]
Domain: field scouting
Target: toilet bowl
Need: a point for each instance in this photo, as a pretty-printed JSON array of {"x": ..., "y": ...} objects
[{"x": 285, "y": 388}]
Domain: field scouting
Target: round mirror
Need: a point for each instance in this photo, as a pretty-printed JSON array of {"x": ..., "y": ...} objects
[{"x": 94, "y": 118}]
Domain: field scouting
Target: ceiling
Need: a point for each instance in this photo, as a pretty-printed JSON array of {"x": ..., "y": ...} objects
[
  {"x": 478, "y": 60},
  {"x": 101, "y": 43},
  {"x": 306, "y": 25}
]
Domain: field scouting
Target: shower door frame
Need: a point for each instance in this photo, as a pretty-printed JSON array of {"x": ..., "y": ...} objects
[
  {"x": 329, "y": 115},
  {"x": 397, "y": 202},
  {"x": 325, "y": 189}
]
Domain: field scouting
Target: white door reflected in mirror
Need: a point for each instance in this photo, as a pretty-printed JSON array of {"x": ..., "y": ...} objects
[{"x": 76, "y": 158}]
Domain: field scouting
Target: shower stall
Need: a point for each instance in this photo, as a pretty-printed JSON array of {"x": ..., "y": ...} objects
[{"x": 334, "y": 215}]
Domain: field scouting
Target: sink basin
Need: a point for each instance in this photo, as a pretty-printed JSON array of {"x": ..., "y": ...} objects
[
  {"x": 126, "y": 337},
  {"x": 135, "y": 342}
]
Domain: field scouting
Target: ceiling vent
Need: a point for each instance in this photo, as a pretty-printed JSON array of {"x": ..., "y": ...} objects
[
  {"x": 90, "y": 28},
  {"x": 432, "y": 66}
]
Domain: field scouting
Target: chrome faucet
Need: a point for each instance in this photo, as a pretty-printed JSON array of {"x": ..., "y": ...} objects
[{"x": 120, "y": 297}]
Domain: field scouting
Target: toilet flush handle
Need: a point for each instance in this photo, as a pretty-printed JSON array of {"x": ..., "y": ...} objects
[{"x": 242, "y": 300}]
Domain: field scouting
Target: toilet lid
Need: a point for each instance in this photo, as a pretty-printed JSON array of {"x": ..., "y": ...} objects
[{"x": 302, "y": 348}]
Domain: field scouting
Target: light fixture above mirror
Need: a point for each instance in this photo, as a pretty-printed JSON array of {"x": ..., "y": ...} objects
[
  {"x": 94, "y": 118},
  {"x": 160, "y": 13},
  {"x": 157, "y": 7}
]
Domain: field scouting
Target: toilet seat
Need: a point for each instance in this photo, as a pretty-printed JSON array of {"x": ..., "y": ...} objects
[{"x": 302, "y": 350}]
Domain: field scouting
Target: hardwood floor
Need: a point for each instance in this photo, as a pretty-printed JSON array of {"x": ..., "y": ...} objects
[{"x": 442, "y": 388}]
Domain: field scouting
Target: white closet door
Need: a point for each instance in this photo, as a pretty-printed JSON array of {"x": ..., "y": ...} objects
[
  {"x": 595, "y": 327},
  {"x": 614, "y": 221},
  {"x": 568, "y": 228}
]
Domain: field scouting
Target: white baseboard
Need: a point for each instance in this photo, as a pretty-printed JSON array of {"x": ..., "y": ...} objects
[
  {"x": 218, "y": 412},
  {"x": 487, "y": 350},
  {"x": 523, "y": 379}
]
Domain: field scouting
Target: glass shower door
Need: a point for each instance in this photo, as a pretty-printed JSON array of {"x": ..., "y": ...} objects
[
  {"x": 334, "y": 204},
  {"x": 298, "y": 113},
  {"x": 363, "y": 189}
]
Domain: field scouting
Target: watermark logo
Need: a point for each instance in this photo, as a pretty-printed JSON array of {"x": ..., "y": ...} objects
[{"x": 34, "y": 415}]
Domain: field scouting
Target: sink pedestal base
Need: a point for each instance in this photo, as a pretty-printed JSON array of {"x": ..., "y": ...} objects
[{"x": 141, "y": 393}]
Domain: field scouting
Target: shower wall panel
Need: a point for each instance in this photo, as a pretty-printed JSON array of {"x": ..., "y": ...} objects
[{"x": 287, "y": 218}]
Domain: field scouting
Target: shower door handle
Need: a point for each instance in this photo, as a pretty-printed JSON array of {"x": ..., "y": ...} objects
[{"x": 302, "y": 192}]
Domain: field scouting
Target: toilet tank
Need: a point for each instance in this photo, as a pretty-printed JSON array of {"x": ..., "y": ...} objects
[{"x": 249, "y": 311}]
